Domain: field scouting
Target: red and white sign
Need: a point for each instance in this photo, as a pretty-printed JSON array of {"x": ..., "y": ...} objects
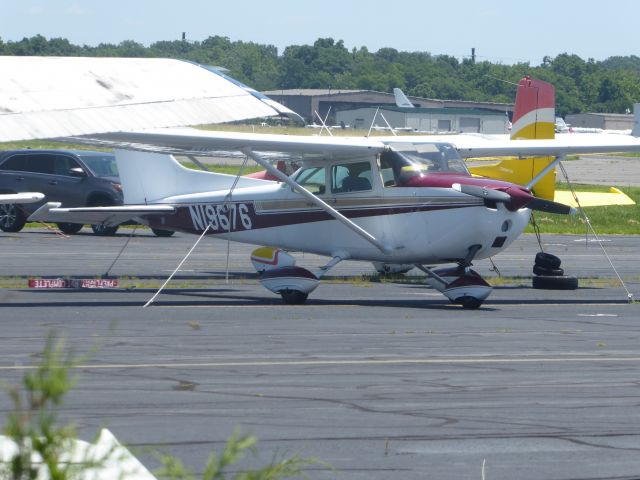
[{"x": 73, "y": 283}]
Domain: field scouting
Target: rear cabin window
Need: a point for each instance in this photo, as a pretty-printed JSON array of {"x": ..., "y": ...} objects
[{"x": 351, "y": 177}]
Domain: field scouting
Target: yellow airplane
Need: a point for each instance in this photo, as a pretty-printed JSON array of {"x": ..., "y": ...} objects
[{"x": 534, "y": 119}]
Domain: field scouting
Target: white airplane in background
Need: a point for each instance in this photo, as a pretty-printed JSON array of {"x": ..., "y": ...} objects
[
  {"x": 401, "y": 99},
  {"x": 394, "y": 200}
]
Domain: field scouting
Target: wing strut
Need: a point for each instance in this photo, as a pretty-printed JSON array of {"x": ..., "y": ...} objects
[
  {"x": 317, "y": 201},
  {"x": 544, "y": 171}
]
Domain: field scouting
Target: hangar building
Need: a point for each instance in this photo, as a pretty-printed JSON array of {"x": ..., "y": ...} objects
[
  {"x": 605, "y": 121},
  {"x": 429, "y": 120},
  {"x": 306, "y": 102}
]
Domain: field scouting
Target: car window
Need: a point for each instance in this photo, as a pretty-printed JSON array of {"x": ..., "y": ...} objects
[
  {"x": 16, "y": 162},
  {"x": 63, "y": 164},
  {"x": 40, "y": 163},
  {"x": 101, "y": 165}
]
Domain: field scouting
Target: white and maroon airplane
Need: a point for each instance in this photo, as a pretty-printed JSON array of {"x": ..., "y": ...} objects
[{"x": 393, "y": 200}]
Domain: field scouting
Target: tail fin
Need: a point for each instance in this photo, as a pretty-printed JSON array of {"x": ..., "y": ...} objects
[
  {"x": 401, "y": 99},
  {"x": 533, "y": 119},
  {"x": 534, "y": 114},
  {"x": 151, "y": 177}
]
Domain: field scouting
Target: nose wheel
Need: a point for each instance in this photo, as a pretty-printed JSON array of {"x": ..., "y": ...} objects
[
  {"x": 468, "y": 302},
  {"x": 293, "y": 297},
  {"x": 462, "y": 286}
]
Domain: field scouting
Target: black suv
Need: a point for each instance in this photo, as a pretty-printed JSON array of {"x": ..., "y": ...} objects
[{"x": 76, "y": 178}]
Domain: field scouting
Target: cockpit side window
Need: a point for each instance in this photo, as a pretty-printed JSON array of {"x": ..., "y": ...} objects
[
  {"x": 390, "y": 167},
  {"x": 313, "y": 179}
]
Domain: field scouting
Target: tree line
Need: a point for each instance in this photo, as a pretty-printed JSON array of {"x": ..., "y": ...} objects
[{"x": 611, "y": 85}]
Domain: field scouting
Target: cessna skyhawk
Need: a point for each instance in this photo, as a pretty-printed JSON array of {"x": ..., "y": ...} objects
[{"x": 392, "y": 200}]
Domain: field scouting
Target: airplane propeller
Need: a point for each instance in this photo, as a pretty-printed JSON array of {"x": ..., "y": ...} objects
[
  {"x": 550, "y": 206},
  {"x": 483, "y": 192},
  {"x": 534, "y": 203}
]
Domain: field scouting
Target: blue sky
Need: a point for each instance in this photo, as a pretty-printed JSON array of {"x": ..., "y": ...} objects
[{"x": 500, "y": 31}]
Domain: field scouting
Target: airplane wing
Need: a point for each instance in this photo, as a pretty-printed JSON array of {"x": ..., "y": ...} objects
[
  {"x": 189, "y": 140},
  {"x": 110, "y": 216},
  {"x": 561, "y": 145},
  {"x": 46, "y": 97},
  {"x": 199, "y": 142},
  {"x": 22, "y": 197}
]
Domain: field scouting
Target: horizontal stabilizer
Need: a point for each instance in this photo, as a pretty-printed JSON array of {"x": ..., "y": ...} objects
[
  {"x": 594, "y": 199},
  {"x": 111, "y": 216},
  {"x": 22, "y": 197}
]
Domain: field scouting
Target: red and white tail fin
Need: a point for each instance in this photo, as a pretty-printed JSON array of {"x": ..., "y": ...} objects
[
  {"x": 534, "y": 114},
  {"x": 533, "y": 119}
]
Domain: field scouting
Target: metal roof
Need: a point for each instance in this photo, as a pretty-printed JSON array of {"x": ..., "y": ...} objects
[
  {"x": 438, "y": 111},
  {"x": 315, "y": 92},
  {"x": 46, "y": 97}
]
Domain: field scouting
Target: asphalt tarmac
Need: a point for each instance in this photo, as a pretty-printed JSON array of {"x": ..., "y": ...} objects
[{"x": 379, "y": 380}]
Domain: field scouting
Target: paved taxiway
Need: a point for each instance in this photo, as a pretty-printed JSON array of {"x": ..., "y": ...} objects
[{"x": 380, "y": 380}]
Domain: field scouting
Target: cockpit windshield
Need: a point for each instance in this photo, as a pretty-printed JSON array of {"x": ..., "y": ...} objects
[{"x": 407, "y": 160}]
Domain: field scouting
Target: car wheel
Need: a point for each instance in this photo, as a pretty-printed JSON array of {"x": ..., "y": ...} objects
[
  {"x": 162, "y": 233},
  {"x": 103, "y": 230},
  {"x": 561, "y": 282},
  {"x": 11, "y": 218},
  {"x": 70, "y": 228}
]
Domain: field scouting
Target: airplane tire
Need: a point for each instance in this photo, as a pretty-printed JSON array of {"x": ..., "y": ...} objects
[
  {"x": 162, "y": 233},
  {"x": 547, "y": 260},
  {"x": 548, "y": 272},
  {"x": 293, "y": 297},
  {"x": 70, "y": 228},
  {"x": 559, "y": 282},
  {"x": 469, "y": 303},
  {"x": 104, "y": 231}
]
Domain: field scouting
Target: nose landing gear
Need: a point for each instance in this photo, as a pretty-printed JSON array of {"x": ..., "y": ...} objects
[{"x": 460, "y": 284}]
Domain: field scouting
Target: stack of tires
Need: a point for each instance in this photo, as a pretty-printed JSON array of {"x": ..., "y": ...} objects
[{"x": 548, "y": 275}]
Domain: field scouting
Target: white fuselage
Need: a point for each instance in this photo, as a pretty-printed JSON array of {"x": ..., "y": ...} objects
[{"x": 419, "y": 225}]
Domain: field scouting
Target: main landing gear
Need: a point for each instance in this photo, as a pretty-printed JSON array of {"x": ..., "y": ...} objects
[{"x": 280, "y": 275}]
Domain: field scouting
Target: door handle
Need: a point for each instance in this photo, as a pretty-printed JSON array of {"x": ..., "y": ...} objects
[
  {"x": 53, "y": 182},
  {"x": 19, "y": 179}
]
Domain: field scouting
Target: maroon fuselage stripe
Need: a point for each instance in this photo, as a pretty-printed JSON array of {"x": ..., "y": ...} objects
[{"x": 183, "y": 220}]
